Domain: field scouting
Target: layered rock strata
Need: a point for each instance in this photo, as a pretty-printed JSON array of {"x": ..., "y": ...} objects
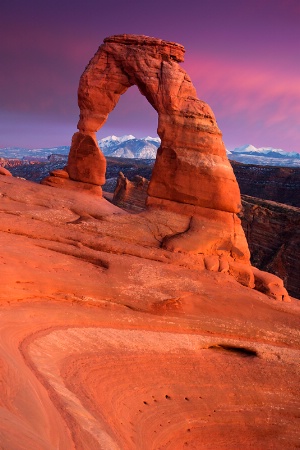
[
  {"x": 273, "y": 233},
  {"x": 253, "y": 222},
  {"x": 278, "y": 184},
  {"x": 271, "y": 228},
  {"x": 131, "y": 195}
]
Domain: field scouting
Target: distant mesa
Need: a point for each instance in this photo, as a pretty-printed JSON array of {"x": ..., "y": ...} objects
[{"x": 192, "y": 175}]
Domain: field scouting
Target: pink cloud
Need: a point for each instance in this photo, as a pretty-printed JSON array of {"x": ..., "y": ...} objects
[
  {"x": 247, "y": 89},
  {"x": 254, "y": 93}
]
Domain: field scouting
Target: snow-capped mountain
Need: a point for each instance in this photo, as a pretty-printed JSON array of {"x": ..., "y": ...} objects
[
  {"x": 248, "y": 154},
  {"x": 114, "y": 140},
  {"x": 130, "y": 146}
]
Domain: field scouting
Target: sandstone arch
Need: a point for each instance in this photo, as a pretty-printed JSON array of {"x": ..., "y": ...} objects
[
  {"x": 191, "y": 166},
  {"x": 193, "y": 185}
]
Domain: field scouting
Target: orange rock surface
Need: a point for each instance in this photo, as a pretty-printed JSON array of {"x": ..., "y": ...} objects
[
  {"x": 192, "y": 176},
  {"x": 191, "y": 165},
  {"x": 110, "y": 341}
]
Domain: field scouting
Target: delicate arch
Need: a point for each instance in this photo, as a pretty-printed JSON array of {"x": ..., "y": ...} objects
[{"x": 191, "y": 165}]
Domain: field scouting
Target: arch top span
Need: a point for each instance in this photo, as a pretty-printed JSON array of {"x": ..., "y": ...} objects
[
  {"x": 170, "y": 49},
  {"x": 191, "y": 165},
  {"x": 123, "y": 61}
]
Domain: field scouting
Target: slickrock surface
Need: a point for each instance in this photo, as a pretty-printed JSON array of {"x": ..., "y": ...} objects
[
  {"x": 272, "y": 231},
  {"x": 109, "y": 341}
]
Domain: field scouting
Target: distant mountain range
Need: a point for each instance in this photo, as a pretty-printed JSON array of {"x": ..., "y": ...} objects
[
  {"x": 38, "y": 154},
  {"x": 264, "y": 156},
  {"x": 129, "y": 146}
]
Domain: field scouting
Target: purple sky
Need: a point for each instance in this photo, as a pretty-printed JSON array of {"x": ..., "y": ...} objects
[{"x": 242, "y": 56}]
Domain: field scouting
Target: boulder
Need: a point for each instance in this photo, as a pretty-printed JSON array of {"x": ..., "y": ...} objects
[
  {"x": 60, "y": 178},
  {"x": 270, "y": 285}
]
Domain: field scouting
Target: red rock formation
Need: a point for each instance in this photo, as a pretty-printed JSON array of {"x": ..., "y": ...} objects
[
  {"x": 131, "y": 195},
  {"x": 263, "y": 235},
  {"x": 123, "y": 331},
  {"x": 191, "y": 166},
  {"x": 60, "y": 178},
  {"x": 5, "y": 172},
  {"x": 192, "y": 175},
  {"x": 86, "y": 163}
]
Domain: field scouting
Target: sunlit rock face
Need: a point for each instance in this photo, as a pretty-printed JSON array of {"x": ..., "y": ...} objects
[
  {"x": 191, "y": 166},
  {"x": 86, "y": 163},
  {"x": 192, "y": 175}
]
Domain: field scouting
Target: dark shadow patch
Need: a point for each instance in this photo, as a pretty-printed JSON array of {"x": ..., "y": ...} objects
[{"x": 241, "y": 351}]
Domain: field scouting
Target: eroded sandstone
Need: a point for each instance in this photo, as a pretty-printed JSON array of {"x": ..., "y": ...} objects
[
  {"x": 60, "y": 178},
  {"x": 227, "y": 254},
  {"x": 192, "y": 175},
  {"x": 131, "y": 194},
  {"x": 191, "y": 165},
  {"x": 110, "y": 341}
]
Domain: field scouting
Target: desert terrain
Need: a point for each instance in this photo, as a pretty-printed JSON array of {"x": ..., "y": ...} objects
[
  {"x": 147, "y": 330},
  {"x": 108, "y": 341}
]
